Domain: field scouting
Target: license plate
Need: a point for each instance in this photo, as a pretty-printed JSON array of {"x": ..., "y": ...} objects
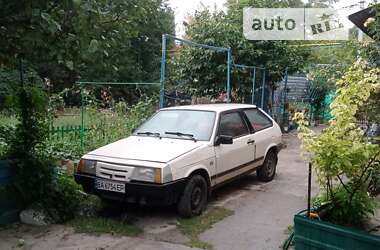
[{"x": 110, "y": 186}]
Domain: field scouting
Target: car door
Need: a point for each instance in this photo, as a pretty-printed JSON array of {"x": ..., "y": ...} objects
[
  {"x": 233, "y": 159},
  {"x": 262, "y": 131}
]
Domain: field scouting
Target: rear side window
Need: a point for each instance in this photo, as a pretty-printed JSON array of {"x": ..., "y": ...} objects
[
  {"x": 232, "y": 124},
  {"x": 257, "y": 119}
]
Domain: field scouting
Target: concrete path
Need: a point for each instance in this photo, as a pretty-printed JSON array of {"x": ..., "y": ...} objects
[
  {"x": 263, "y": 211},
  {"x": 63, "y": 238}
]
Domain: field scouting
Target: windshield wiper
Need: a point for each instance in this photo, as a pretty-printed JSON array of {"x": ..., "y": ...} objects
[
  {"x": 149, "y": 134},
  {"x": 181, "y": 134}
]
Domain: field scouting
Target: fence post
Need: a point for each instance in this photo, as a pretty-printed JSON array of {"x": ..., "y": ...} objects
[
  {"x": 81, "y": 115},
  {"x": 62, "y": 132},
  {"x": 162, "y": 75},
  {"x": 263, "y": 91},
  {"x": 229, "y": 75},
  {"x": 253, "y": 85},
  {"x": 284, "y": 114}
]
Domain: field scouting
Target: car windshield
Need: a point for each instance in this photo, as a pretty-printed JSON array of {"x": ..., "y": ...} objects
[{"x": 183, "y": 124}]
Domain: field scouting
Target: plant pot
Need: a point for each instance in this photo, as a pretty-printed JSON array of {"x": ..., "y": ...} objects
[
  {"x": 6, "y": 173},
  {"x": 320, "y": 235},
  {"x": 9, "y": 204}
]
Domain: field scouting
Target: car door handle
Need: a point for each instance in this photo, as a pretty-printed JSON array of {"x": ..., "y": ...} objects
[{"x": 250, "y": 141}]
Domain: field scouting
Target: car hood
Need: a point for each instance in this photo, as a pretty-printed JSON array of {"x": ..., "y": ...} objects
[{"x": 146, "y": 148}]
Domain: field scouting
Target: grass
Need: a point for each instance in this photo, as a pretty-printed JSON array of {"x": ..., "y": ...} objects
[
  {"x": 101, "y": 225},
  {"x": 193, "y": 227},
  {"x": 70, "y": 117}
]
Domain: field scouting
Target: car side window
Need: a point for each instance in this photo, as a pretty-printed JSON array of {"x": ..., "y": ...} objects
[
  {"x": 257, "y": 119},
  {"x": 232, "y": 124}
]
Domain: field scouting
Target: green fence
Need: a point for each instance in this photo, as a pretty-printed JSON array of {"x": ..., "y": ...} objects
[{"x": 60, "y": 132}]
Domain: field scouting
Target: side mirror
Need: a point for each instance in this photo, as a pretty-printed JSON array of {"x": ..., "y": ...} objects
[{"x": 224, "y": 139}]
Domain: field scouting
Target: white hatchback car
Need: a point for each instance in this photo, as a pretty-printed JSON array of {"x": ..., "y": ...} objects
[{"x": 181, "y": 154}]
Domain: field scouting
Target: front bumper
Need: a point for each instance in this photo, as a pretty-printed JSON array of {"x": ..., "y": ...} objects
[{"x": 136, "y": 192}]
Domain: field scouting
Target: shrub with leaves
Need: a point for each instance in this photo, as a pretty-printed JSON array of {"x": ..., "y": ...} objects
[
  {"x": 105, "y": 125},
  {"x": 32, "y": 171},
  {"x": 37, "y": 181},
  {"x": 7, "y": 133},
  {"x": 62, "y": 200},
  {"x": 341, "y": 156},
  {"x": 109, "y": 125}
]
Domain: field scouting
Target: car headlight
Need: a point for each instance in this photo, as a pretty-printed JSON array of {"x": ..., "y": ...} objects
[
  {"x": 87, "y": 166},
  {"x": 147, "y": 174}
]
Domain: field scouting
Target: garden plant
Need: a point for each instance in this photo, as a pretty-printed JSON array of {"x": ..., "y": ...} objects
[{"x": 343, "y": 159}]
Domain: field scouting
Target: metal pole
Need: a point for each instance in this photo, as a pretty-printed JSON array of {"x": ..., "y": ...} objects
[
  {"x": 21, "y": 72},
  {"x": 162, "y": 76},
  {"x": 272, "y": 106},
  {"x": 81, "y": 115},
  {"x": 263, "y": 90},
  {"x": 253, "y": 85},
  {"x": 284, "y": 115},
  {"x": 309, "y": 191},
  {"x": 199, "y": 45},
  {"x": 228, "y": 75}
]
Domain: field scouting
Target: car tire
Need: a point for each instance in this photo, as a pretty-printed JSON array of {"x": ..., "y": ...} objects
[
  {"x": 268, "y": 170},
  {"x": 194, "y": 198}
]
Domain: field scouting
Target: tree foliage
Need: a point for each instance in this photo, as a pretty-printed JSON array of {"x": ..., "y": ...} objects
[
  {"x": 88, "y": 39},
  {"x": 343, "y": 160},
  {"x": 205, "y": 71}
]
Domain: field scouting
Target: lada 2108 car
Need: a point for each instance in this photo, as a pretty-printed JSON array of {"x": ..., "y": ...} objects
[{"x": 181, "y": 154}]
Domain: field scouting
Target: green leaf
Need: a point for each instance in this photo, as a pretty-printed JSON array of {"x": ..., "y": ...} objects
[
  {"x": 77, "y": 2},
  {"x": 94, "y": 44},
  {"x": 70, "y": 65}
]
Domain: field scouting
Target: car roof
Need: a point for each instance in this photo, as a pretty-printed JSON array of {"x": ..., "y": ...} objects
[{"x": 217, "y": 107}]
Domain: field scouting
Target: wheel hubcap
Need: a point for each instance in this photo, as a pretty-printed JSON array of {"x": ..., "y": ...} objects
[
  {"x": 271, "y": 166},
  {"x": 196, "y": 197}
]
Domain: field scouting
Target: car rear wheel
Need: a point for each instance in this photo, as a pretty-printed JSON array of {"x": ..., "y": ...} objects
[
  {"x": 268, "y": 170},
  {"x": 194, "y": 198}
]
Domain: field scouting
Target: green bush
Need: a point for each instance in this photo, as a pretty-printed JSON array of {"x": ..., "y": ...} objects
[
  {"x": 67, "y": 148},
  {"x": 34, "y": 153},
  {"x": 62, "y": 200},
  {"x": 345, "y": 208},
  {"x": 37, "y": 180},
  {"x": 104, "y": 126},
  {"x": 342, "y": 158},
  {"x": 7, "y": 133}
]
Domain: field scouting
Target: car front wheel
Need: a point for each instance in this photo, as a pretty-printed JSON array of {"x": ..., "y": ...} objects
[
  {"x": 194, "y": 198},
  {"x": 268, "y": 170}
]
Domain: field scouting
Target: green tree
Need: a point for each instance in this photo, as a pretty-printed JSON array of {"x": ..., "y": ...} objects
[
  {"x": 320, "y": 3},
  {"x": 89, "y": 39},
  {"x": 204, "y": 71}
]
